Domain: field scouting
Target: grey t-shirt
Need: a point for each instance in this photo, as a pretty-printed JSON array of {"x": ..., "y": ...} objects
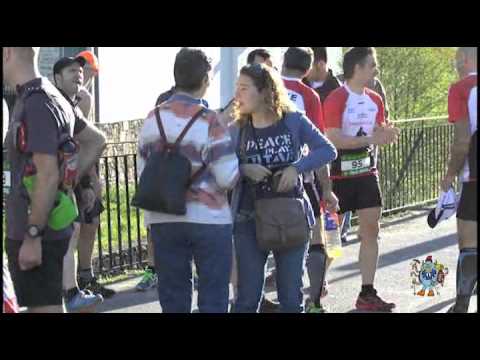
[{"x": 45, "y": 118}]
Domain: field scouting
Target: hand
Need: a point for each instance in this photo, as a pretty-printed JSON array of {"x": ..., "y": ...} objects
[
  {"x": 83, "y": 92},
  {"x": 88, "y": 199},
  {"x": 255, "y": 172},
  {"x": 288, "y": 180},
  {"x": 447, "y": 182},
  {"x": 331, "y": 202},
  {"x": 393, "y": 131},
  {"x": 30, "y": 254},
  {"x": 385, "y": 135}
]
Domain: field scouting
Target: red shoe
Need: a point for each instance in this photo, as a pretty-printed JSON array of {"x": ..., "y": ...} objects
[{"x": 372, "y": 302}]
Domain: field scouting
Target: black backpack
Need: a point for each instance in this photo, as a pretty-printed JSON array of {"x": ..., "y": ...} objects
[{"x": 167, "y": 175}]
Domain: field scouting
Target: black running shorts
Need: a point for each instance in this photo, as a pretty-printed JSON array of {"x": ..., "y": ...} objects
[
  {"x": 357, "y": 193},
  {"x": 467, "y": 207},
  {"x": 41, "y": 286}
]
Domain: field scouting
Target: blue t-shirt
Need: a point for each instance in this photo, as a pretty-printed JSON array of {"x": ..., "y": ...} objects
[
  {"x": 302, "y": 132},
  {"x": 273, "y": 148}
]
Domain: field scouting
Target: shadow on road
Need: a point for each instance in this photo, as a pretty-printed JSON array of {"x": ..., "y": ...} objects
[
  {"x": 423, "y": 213},
  {"x": 437, "y": 307},
  {"x": 129, "y": 298},
  {"x": 408, "y": 253},
  {"x": 385, "y": 225}
]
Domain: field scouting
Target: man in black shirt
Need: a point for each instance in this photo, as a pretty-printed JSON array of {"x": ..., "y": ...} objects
[
  {"x": 321, "y": 78},
  {"x": 41, "y": 120},
  {"x": 68, "y": 77}
]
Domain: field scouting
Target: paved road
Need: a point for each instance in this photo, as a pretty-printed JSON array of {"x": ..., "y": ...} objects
[{"x": 402, "y": 239}]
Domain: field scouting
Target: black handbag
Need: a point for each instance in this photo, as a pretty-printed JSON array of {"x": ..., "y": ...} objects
[{"x": 167, "y": 175}]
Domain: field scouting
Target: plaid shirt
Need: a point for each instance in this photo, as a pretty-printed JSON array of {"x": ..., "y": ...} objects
[{"x": 207, "y": 141}]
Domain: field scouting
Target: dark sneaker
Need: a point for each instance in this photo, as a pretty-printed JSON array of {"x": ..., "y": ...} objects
[
  {"x": 373, "y": 302},
  {"x": 94, "y": 287},
  {"x": 268, "y": 306}
]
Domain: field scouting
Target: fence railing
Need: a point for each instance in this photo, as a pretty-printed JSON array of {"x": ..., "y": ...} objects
[{"x": 410, "y": 172}]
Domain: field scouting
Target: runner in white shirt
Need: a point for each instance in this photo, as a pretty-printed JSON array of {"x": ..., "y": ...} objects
[
  {"x": 462, "y": 112},
  {"x": 355, "y": 122}
]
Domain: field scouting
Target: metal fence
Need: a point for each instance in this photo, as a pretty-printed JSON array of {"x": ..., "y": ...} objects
[{"x": 410, "y": 172}]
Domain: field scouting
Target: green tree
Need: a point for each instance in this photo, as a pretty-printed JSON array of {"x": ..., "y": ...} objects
[{"x": 416, "y": 79}]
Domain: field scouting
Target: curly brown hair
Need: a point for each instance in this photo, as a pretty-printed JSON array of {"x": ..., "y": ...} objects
[{"x": 276, "y": 96}]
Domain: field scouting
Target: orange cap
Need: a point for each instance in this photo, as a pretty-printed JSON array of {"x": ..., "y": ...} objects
[{"x": 90, "y": 58}]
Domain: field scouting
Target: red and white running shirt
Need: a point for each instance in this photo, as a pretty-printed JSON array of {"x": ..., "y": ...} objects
[
  {"x": 356, "y": 115},
  {"x": 462, "y": 105},
  {"x": 306, "y": 100}
]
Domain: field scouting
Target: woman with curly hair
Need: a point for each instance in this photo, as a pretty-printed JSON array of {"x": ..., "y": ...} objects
[{"x": 270, "y": 141}]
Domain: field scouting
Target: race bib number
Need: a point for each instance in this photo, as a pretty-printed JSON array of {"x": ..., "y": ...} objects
[{"x": 354, "y": 164}]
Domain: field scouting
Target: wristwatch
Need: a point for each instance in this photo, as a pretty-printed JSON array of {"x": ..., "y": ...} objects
[{"x": 34, "y": 231}]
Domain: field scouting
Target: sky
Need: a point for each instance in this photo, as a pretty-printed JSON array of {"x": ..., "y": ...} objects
[{"x": 132, "y": 78}]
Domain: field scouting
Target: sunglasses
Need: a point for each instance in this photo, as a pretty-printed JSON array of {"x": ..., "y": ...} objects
[{"x": 257, "y": 68}]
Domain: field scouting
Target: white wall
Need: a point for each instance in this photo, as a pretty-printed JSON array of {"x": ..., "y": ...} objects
[
  {"x": 131, "y": 78},
  {"x": 335, "y": 58}
]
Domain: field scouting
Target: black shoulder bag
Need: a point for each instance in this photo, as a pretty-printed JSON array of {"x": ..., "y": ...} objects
[{"x": 280, "y": 222}]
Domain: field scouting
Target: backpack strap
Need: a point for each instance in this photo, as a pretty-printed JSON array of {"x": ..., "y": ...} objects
[
  {"x": 180, "y": 138},
  {"x": 160, "y": 126},
  {"x": 189, "y": 125},
  {"x": 184, "y": 131}
]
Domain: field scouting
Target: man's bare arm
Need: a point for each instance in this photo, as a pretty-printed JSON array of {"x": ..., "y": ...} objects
[
  {"x": 45, "y": 189},
  {"x": 92, "y": 143},
  {"x": 459, "y": 148},
  {"x": 85, "y": 103},
  {"x": 342, "y": 141}
]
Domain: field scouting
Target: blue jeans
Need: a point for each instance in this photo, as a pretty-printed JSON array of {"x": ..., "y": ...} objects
[
  {"x": 210, "y": 246},
  {"x": 251, "y": 262}
]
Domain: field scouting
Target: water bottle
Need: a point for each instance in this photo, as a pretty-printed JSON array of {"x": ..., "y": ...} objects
[{"x": 332, "y": 233}]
